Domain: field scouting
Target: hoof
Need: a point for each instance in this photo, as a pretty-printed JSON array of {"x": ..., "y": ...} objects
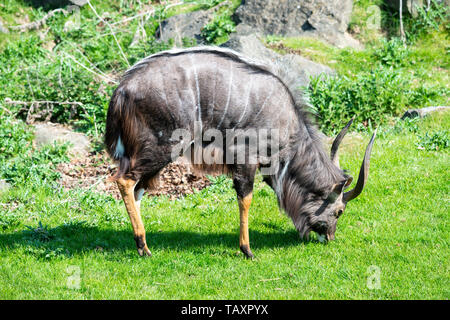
[
  {"x": 247, "y": 252},
  {"x": 142, "y": 247},
  {"x": 144, "y": 252}
]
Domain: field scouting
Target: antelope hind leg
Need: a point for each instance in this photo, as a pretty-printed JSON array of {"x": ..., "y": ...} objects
[
  {"x": 244, "y": 240},
  {"x": 243, "y": 179},
  {"x": 132, "y": 198}
]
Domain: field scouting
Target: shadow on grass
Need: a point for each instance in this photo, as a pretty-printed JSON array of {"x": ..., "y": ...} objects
[{"x": 78, "y": 238}]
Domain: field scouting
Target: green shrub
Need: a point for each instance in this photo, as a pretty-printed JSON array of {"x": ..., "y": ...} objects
[
  {"x": 369, "y": 97},
  {"x": 218, "y": 30},
  {"x": 392, "y": 53},
  {"x": 436, "y": 141}
]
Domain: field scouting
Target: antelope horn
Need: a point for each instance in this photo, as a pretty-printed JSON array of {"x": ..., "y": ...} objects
[
  {"x": 363, "y": 173},
  {"x": 337, "y": 141}
]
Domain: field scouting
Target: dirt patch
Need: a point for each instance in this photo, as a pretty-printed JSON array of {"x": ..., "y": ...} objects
[
  {"x": 93, "y": 171},
  {"x": 280, "y": 47}
]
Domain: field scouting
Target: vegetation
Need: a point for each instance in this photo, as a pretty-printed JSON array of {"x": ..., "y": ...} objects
[
  {"x": 381, "y": 81},
  {"x": 78, "y": 244},
  {"x": 20, "y": 162},
  {"x": 51, "y": 236},
  {"x": 218, "y": 29}
]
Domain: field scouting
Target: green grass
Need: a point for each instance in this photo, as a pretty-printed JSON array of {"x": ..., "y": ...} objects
[
  {"x": 399, "y": 225},
  {"x": 49, "y": 237}
]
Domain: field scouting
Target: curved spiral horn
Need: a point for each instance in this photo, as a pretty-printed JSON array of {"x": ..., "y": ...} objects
[
  {"x": 337, "y": 141},
  {"x": 363, "y": 173}
]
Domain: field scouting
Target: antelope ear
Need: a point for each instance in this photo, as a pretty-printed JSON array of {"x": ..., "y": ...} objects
[
  {"x": 338, "y": 188},
  {"x": 348, "y": 182}
]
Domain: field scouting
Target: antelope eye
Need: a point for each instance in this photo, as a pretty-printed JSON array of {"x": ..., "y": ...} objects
[{"x": 339, "y": 212}]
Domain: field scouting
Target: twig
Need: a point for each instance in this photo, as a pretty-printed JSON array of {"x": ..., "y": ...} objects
[
  {"x": 98, "y": 181},
  {"x": 113, "y": 34},
  {"x": 90, "y": 70},
  {"x": 37, "y": 24},
  {"x": 32, "y": 104},
  {"x": 10, "y": 112},
  {"x": 90, "y": 63},
  {"x": 16, "y": 102},
  {"x": 133, "y": 17}
]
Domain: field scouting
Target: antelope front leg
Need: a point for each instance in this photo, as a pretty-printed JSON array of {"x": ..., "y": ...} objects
[
  {"x": 244, "y": 241},
  {"x": 132, "y": 203}
]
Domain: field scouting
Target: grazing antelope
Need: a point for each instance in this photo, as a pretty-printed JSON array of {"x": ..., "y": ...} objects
[{"x": 209, "y": 88}]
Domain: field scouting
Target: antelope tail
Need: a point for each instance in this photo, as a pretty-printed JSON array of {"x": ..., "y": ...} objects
[{"x": 121, "y": 131}]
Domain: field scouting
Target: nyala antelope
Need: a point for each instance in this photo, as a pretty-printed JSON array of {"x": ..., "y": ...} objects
[{"x": 219, "y": 89}]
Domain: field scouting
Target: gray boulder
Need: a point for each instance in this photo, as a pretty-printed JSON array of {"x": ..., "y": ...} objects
[
  {"x": 317, "y": 18},
  {"x": 251, "y": 46},
  {"x": 186, "y": 25},
  {"x": 423, "y": 112},
  {"x": 79, "y": 3},
  {"x": 50, "y": 132}
]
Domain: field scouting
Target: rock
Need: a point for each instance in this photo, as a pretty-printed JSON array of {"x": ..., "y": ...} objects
[
  {"x": 186, "y": 25},
  {"x": 79, "y": 3},
  {"x": 320, "y": 18},
  {"x": 251, "y": 46},
  {"x": 49, "y": 132},
  {"x": 420, "y": 113},
  {"x": 52, "y": 4},
  {"x": 4, "y": 185}
]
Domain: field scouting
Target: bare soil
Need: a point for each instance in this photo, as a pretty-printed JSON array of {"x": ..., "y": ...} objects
[{"x": 93, "y": 171}]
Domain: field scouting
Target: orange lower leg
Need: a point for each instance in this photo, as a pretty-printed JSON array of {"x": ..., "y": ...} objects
[
  {"x": 244, "y": 241},
  {"x": 126, "y": 187}
]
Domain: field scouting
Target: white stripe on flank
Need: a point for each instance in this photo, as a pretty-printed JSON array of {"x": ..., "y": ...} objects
[
  {"x": 229, "y": 95},
  {"x": 264, "y": 103},
  {"x": 280, "y": 179},
  {"x": 250, "y": 86},
  {"x": 120, "y": 149},
  {"x": 214, "y": 91},
  {"x": 197, "y": 87}
]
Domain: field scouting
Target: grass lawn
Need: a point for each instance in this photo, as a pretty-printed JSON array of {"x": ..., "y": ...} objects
[{"x": 391, "y": 243}]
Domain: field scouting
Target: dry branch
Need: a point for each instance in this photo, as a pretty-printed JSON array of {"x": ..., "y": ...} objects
[
  {"x": 105, "y": 78},
  {"x": 17, "y": 102},
  {"x": 112, "y": 31},
  {"x": 34, "y": 111},
  {"x": 37, "y": 24}
]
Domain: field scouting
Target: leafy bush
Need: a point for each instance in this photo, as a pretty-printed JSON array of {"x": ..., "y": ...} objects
[
  {"x": 218, "y": 29},
  {"x": 369, "y": 97},
  {"x": 436, "y": 141},
  {"x": 392, "y": 53}
]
